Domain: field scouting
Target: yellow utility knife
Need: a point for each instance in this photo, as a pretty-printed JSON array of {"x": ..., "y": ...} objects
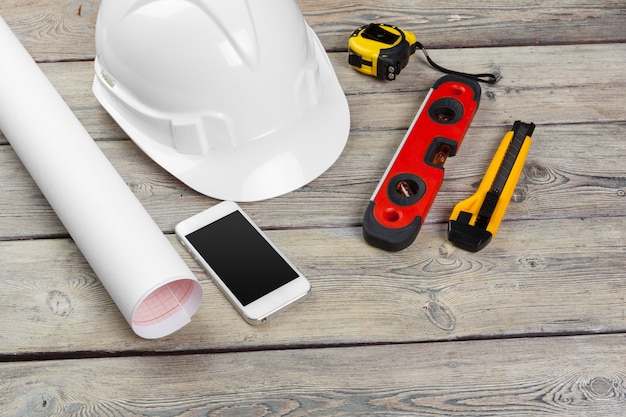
[{"x": 475, "y": 221}]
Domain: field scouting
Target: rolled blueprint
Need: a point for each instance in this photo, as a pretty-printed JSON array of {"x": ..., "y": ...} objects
[{"x": 151, "y": 284}]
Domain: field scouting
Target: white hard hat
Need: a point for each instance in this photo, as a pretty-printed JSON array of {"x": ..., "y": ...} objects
[{"x": 236, "y": 98}]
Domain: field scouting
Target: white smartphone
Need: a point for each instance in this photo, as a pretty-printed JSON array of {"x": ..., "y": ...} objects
[{"x": 244, "y": 263}]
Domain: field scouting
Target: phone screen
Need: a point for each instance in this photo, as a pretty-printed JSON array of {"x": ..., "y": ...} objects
[{"x": 242, "y": 258}]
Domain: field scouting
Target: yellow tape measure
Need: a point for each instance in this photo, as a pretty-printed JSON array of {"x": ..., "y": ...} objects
[{"x": 383, "y": 50}]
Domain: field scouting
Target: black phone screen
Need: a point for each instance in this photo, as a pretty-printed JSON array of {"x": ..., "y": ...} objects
[{"x": 242, "y": 258}]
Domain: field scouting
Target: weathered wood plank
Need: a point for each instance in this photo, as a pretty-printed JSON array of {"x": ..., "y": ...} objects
[
  {"x": 568, "y": 173},
  {"x": 555, "y": 268},
  {"x": 54, "y": 30},
  {"x": 567, "y": 376},
  {"x": 459, "y": 23},
  {"x": 566, "y": 80},
  {"x": 536, "y": 277},
  {"x": 64, "y": 30},
  {"x": 577, "y": 84}
]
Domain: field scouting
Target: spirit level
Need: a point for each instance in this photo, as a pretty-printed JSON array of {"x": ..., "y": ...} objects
[
  {"x": 474, "y": 221},
  {"x": 408, "y": 188}
]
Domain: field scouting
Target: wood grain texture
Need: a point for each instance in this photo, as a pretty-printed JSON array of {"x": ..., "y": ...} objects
[
  {"x": 558, "y": 180},
  {"x": 577, "y": 84},
  {"x": 64, "y": 30},
  {"x": 529, "y": 280},
  {"x": 53, "y": 30},
  {"x": 533, "y": 325},
  {"x": 569, "y": 376},
  {"x": 461, "y": 24}
]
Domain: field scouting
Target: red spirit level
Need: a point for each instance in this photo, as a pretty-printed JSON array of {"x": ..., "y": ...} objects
[{"x": 408, "y": 188}]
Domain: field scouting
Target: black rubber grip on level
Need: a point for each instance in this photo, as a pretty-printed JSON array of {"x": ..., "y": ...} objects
[{"x": 391, "y": 239}]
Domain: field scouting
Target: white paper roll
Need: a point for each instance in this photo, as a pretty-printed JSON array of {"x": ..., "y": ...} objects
[{"x": 151, "y": 284}]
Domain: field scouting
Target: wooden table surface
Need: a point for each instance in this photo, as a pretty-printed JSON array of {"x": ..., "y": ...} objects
[{"x": 532, "y": 325}]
